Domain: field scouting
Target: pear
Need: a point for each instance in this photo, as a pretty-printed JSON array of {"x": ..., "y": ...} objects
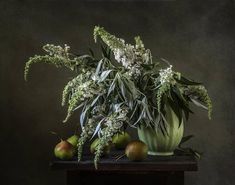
[
  {"x": 95, "y": 143},
  {"x": 121, "y": 140},
  {"x": 136, "y": 151},
  {"x": 73, "y": 140},
  {"x": 64, "y": 150}
]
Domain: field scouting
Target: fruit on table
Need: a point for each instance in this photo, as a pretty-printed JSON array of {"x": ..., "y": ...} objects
[
  {"x": 95, "y": 143},
  {"x": 73, "y": 140},
  {"x": 121, "y": 140},
  {"x": 136, "y": 151},
  {"x": 64, "y": 150}
]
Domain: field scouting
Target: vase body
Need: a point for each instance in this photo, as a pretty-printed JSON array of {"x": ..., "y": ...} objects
[{"x": 157, "y": 142}]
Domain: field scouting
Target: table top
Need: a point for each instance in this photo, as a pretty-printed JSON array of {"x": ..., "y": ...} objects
[{"x": 109, "y": 163}]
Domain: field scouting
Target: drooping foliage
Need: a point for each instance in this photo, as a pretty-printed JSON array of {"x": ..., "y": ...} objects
[{"x": 125, "y": 87}]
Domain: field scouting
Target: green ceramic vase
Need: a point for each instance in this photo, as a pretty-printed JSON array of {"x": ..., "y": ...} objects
[{"x": 157, "y": 142}]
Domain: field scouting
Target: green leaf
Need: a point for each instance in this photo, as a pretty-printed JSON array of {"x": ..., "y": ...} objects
[
  {"x": 177, "y": 96},
  {"x": 117, "y": 106},
  {"x": 188, "y": 151},
  {"x": 175, "y": 107},
  {"x": 197, "y": 103},
  {"x": 185, "y": 139},
  {"x": 106, "y": 52},
  {"x": 99, "y": 67},
  {"x": 104, "y": 75},
  {"x": 112, "y": 86},
  {"x": 185, "y": 81},
  {"x": 146, "y": 108},
  {"x": 79, "y": 106},
  {"x": 134, "y": 110},
  {"x": 83, "y": 115},
  {"x": 130, "y": 86},
  {"x": 97, "y": 129},
  {"x": 95, "y": 100},
  {"x": 122, "y": 88},
  {"x": 140, "y": 117},
  {"x": 178, "y": 93}
]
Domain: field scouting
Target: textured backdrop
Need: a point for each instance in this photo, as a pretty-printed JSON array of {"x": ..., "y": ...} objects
[{"x": 198, "y": 37}]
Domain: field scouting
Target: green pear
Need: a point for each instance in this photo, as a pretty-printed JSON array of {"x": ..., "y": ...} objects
[
  {"x": 95, "y": 143},
  {"x": 121, "y": 140},
  {"x": 73, "y": 140},
  {"x": 64, "y": 150},
  {"x": 136, "y": 151}
]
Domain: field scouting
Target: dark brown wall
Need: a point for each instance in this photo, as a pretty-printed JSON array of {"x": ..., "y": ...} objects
[{"x": 196, "y": 36}]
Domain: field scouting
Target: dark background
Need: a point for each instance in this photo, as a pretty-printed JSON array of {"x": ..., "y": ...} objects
[{"x": 196, "y": 36}]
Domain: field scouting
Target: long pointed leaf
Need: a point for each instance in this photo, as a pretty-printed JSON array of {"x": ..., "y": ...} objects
[
  {"x": 98, "y": 67},
  {"x": 104, "y": 75},
  {"x": 83, "y": 115},
  {"x": 140, "y": 117},
  {"x": 185, "y": 81},
  {"x": 199, "y": 104},
  {"x": 95, "y": 100},
  {"x": 97, "y": 129},
  {"x": 185, "y": 139}
]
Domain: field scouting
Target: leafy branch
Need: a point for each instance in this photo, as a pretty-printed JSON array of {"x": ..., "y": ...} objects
[{"x": 125, "y": 87}]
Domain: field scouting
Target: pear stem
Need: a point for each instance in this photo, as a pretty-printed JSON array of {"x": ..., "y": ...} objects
[{"x": 56, "y": 134}]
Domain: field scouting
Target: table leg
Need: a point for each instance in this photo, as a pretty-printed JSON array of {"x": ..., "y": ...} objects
[{"x": 106, "y": 178}]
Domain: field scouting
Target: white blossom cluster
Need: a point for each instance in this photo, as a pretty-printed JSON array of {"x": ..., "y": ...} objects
[
  {"x": 87, "y": 132},
  {"x": 57, "y": 51},
  {"x": 113, "y": 124},
  {"x": 74, "y": 84},
  {"x": 166, "y": 75},
  {"x": 89, "y": 128},
  {"x": 97, "y": 109},
  {"x": 116, "y": 119},
  {"x": 86, "y": 90},
  {"x": 130, "y": 56}
]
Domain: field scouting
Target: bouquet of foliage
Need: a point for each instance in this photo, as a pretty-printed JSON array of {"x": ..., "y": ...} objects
[{"x": 126, "y": 87}]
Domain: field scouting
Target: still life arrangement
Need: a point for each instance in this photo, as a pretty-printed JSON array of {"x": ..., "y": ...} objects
[{"x": 126, "y": 87}]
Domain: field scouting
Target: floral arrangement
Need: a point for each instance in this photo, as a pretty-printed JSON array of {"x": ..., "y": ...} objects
[{"x": 125, "y": 87}]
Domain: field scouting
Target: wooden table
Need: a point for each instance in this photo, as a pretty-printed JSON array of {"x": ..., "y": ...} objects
[{"x": 157, "y": 170}]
